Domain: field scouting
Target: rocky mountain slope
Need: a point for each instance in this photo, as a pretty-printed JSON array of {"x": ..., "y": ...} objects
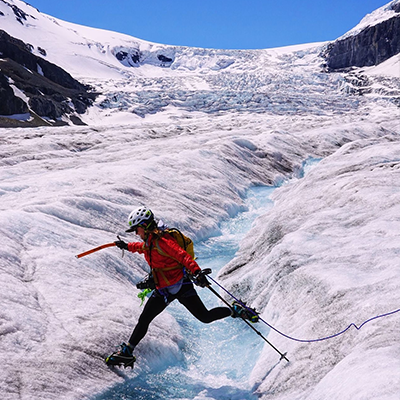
[
  {"x": 39, "y": 92},
  {"x": 373, "y": 41}
]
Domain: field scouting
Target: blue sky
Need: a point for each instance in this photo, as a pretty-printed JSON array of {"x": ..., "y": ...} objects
[{"x": 222, "y": 24}]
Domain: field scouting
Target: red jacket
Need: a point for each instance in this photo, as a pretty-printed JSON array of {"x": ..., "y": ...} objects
[{"x": 167, "y": 268}]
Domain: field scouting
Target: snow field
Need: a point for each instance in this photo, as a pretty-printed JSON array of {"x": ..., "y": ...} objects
[
  {"x": 66, "y": 190},
  {"x": 324, "y": 257}
]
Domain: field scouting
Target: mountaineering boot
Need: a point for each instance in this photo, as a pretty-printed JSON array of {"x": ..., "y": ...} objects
[
  {"x": 239, "y": 310},
  {"x": 124, "y": 357}
]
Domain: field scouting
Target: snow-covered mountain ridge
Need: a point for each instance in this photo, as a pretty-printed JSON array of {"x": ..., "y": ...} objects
[
  {"x": 139, "y": 78},
  {"x": 388, "y": 11}
]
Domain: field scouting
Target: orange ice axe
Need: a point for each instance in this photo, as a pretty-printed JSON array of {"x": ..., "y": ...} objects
[{"x": 103, "y": 246}]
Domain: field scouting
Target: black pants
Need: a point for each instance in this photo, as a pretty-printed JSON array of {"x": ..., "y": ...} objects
[{"x": 188, "y": 297}]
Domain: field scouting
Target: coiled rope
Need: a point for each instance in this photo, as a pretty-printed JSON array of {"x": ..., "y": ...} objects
[{"x": 306, "y": 340}]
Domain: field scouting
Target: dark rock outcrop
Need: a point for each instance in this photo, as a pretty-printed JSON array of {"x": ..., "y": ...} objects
[
  {"x": 396, "y": 7},
  {"x": 164, "y": 59},
  {"x": 371, "y": 46},
  {"x": 129, "y": 58},
  {"x": 9, "y": 103},
  {"x": 52, "y": 92}
]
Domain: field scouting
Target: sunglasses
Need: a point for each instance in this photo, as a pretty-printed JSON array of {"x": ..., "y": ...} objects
[{"x": 135, "y": 229}]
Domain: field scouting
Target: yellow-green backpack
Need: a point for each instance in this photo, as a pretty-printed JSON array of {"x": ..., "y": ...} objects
[{"x": 184, "y": 241}]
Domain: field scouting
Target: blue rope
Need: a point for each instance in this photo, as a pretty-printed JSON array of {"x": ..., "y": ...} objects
[{"x": 305, "y": 340}]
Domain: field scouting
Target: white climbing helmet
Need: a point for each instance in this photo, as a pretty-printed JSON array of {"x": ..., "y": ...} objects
[{"x": 143, "y": 216}]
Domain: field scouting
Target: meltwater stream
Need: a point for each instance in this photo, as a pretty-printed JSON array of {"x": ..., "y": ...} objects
[{"x": 217, "y": 358}]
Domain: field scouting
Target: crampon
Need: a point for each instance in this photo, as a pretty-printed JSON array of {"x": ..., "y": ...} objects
[
  {"x": 121, "y": 358},
  {"x": 240, "y": 310}
]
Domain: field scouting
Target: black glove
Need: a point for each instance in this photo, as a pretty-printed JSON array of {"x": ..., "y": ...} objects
[
  {"x": 199, "y": 278},
  {"x": 147, "y": 283},
  {"x": 121, "y": 244}
]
